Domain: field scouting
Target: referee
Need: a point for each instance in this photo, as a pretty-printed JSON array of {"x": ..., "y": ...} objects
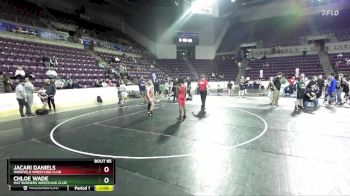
[{"x": 203, "y": 87}]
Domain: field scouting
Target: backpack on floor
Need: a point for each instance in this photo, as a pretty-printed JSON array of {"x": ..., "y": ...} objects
[
  {"x": 99, "y": 99},
  {"x": 42, "y": 112}
]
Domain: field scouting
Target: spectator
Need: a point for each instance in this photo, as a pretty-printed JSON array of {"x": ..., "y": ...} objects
[
  {"x": 156, "y": 85},
  {"x": 104, "y": 84},
  {"x": 175, "y": 89},
  {"x": 122, "y": 71},
  {"x": 20, "y": 74},
  {"x": 347, "y": 60},
  {"x": 110, "y": 83},
  {"x": 51, "y": 74},
  {"x": 338, "y": 88},
  {"x": 321, "y": 85},
  {"x": 276, "y": 86},
  {"x": 331, "y": 90},
  {"x": 46, "y": 61},
  {"x": 59, "y": 84},
  {"x": 51, "y": 92},
  {"x": 22, "y": 99},
  {"x": 116, "y": 59},
  {"x": 53, "y": 62},
  {"x": 345, "y": 86},
  {"x": 2, "y": 84},
  {"x": 30, "y": 75},
  {"x": 67, "y": 84},
  {"x": 76, "y": 84},
  {"x": 7, "y": 84},
  {"x": 229, "y": 87},
  {"x": 97, "y": 83},
  {"x": 142, "y": 88},
  {"x": 43, "y": 96}
]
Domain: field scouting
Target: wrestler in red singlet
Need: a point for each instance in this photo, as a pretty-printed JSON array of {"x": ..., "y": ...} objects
[{"x": 181, "y": 98}]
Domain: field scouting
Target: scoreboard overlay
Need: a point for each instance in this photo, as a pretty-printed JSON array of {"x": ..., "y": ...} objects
[{"x": 61, "y": 174}]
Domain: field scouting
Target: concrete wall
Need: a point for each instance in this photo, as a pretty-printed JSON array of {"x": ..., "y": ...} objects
[
  {"x": 166, "y": 51},
  {"x": 71, "y": 97},
  {"x": 205, "y": 52}
]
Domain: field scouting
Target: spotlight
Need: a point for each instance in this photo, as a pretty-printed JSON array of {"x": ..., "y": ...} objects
[{"x": 201, "y": 4}]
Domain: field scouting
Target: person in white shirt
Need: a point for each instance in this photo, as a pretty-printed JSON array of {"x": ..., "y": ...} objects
[
  {"x": 20, "y": 72},
  {"x": 22, "y": 99},
  {"x": 104, "y": 84},
  {"x": 59, "y": 84},
  {"x": 122, "y": 71},
  {"x": 347, "y": 60},
  {"x": 29, "y": 88},
  {"x": 123, "y": 94},
  {"x": 168, "y": 87},
  {"x": 51, "y": 73}
]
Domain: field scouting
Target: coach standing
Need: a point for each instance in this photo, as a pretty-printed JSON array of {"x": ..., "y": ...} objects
[
  {"x": 203, "y": 86},
  {"x": 22, "y": 99}
]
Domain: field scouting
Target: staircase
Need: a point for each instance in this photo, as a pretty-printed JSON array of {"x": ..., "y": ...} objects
[
  {"x": 193, "y": 70},
  {"x": 241, "y": 71},
  {"x": 326, "y": 63}
]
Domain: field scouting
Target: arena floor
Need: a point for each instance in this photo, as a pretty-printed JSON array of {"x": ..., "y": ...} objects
[{"x": 238, "y": 146}]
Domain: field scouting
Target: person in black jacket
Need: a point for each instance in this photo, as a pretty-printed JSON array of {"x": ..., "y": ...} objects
[
  {"x": 50, "y": 91},
  {"x": 189, "y": 95},
  {"x": 346, "y": 88},
  {"x": 321, "y": 84},
  {"x": 229, "y": 87}
]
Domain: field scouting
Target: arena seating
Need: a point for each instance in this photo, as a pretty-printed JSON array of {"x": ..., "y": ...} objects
[
  {"x": 219, "y": 66},
  {"x": 204, "y": 66},
  {"x": 342, "y": 65},
  {"x": 74, "y": 63},
  {"x": 176, "y": 67},
  {"x": 310, "y": 65},
  {"x": 136, "y": 66},
  {"x": 227, "y": 66}
]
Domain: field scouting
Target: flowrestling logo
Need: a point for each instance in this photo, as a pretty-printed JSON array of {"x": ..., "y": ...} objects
[{"x": 329, "y": 12}]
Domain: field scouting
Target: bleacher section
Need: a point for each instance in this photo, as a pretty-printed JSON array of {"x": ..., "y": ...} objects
[
  {"x": 223, "y": 67},
  {"x": 204, "y": 66},
  {"x": 176, "y": 67},
  {"x": 309, "y": 65},
  {"x": 339, "y": 64},
  {"x": 136, "y": 66},
  {"x": 76, "y": 64},
  {"x": 227, "y": 66}
]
